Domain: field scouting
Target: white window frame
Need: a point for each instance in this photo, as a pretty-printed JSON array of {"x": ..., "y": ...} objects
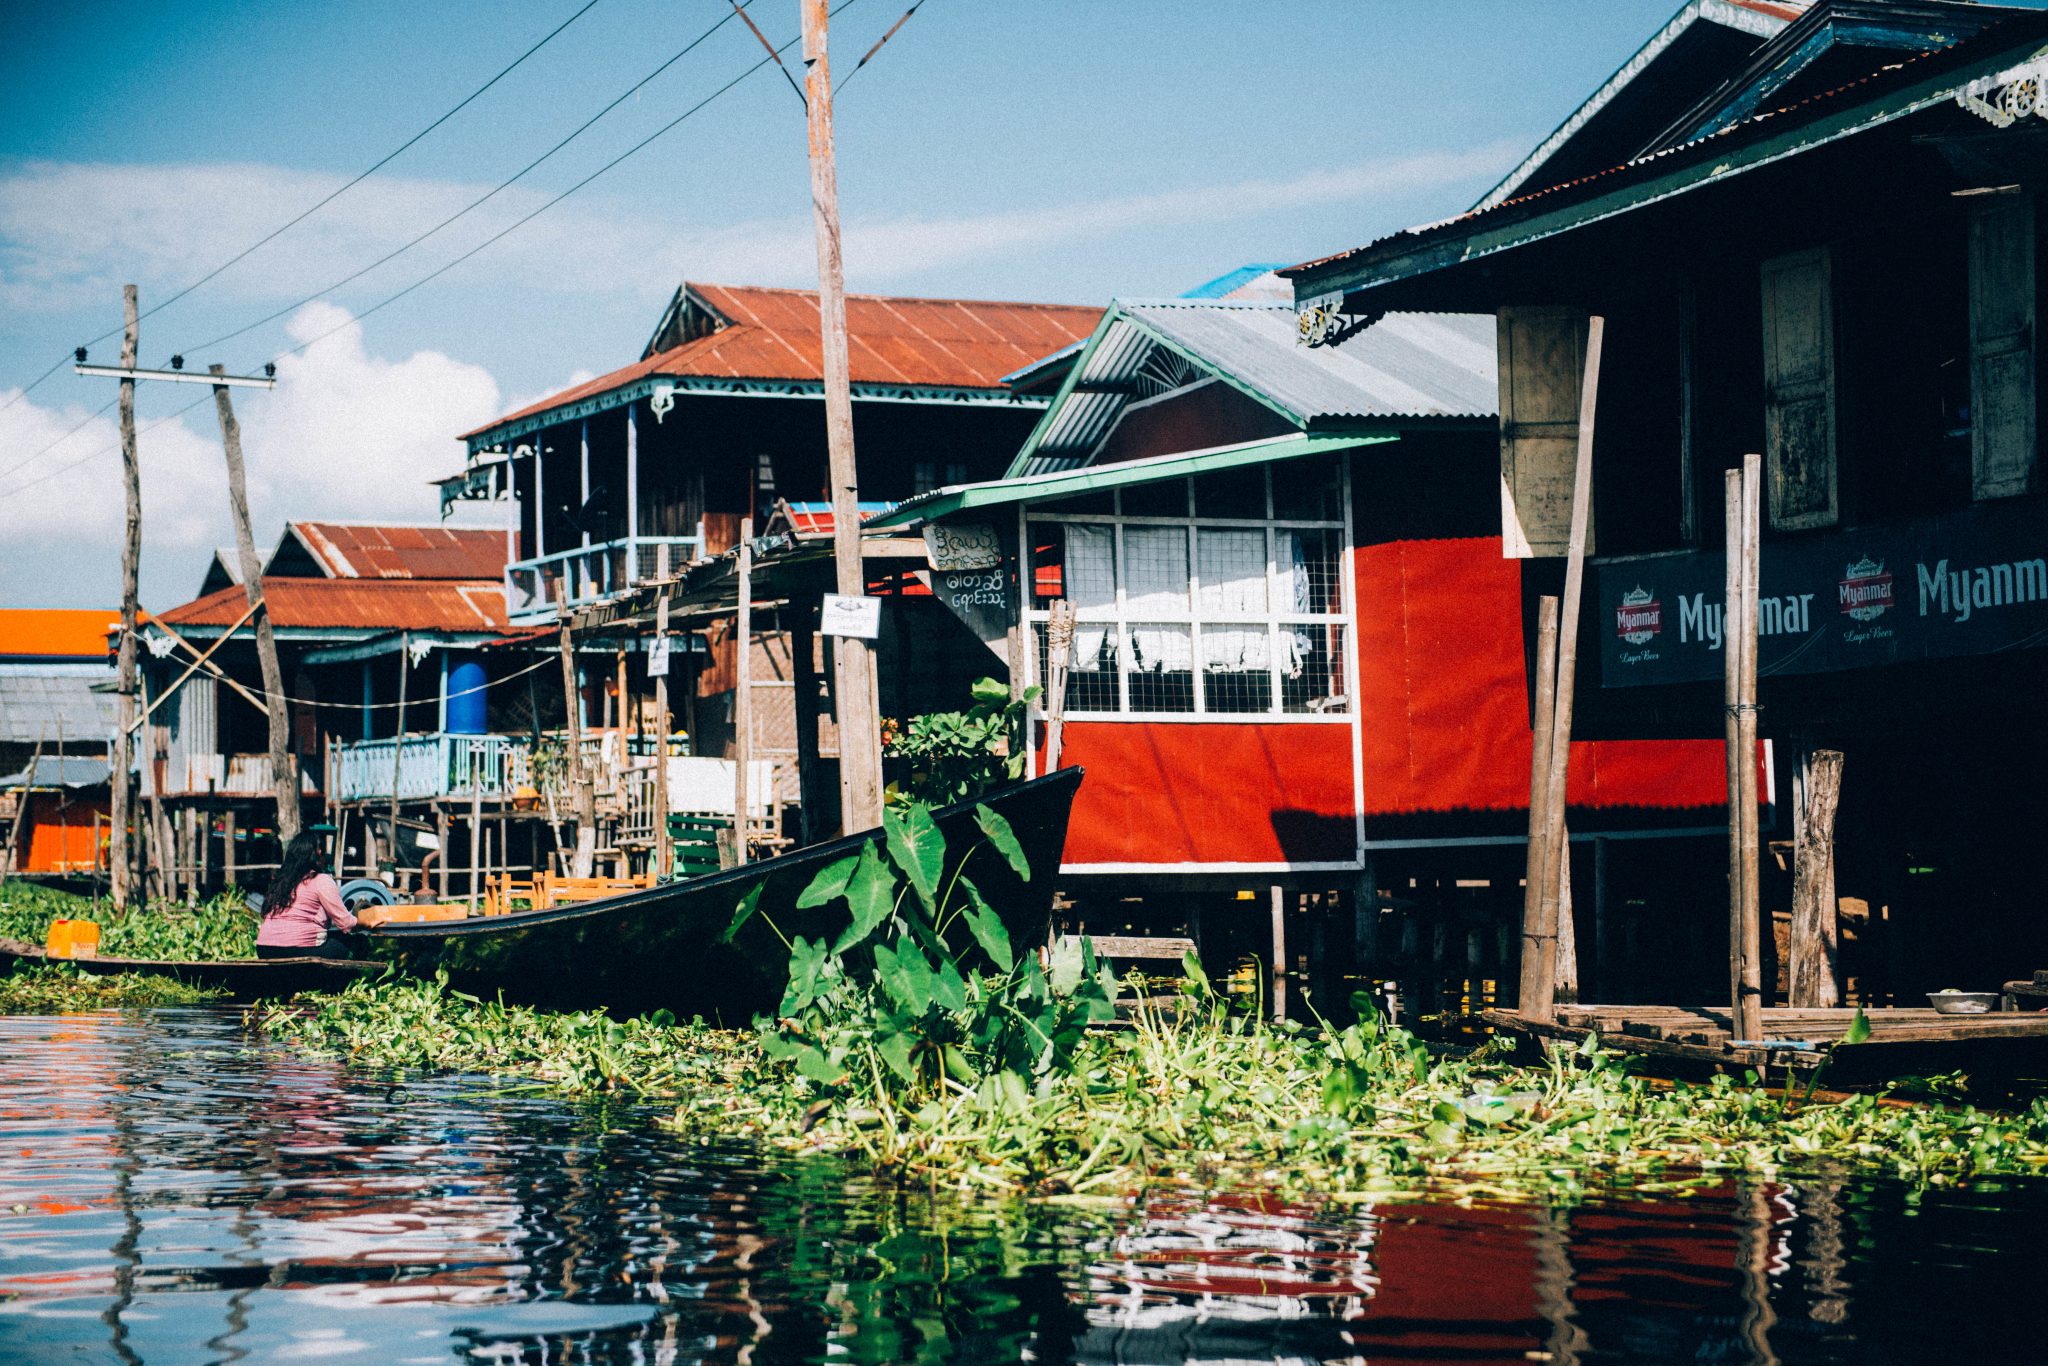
[{"x": 1120, "y": 619}]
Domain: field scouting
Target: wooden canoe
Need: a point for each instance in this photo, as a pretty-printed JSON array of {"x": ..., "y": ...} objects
[
  {"x": 247, "y": 979},
  {"x": 661, "y": 948}
]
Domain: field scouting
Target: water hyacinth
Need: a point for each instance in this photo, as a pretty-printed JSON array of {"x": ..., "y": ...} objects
[
  {"x": 60, "y": 989},
  {"x": 221, "y": 927}
]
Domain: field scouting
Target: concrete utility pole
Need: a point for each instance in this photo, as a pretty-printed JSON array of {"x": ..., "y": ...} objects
[
  {"x": 284, "y": 773},
  {"x": 120, "y": 860},
  {"x": 860, "y": 732}
]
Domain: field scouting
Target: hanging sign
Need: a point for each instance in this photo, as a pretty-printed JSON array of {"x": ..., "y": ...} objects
[
  {"x": 657, "y": 657},
  {"x": 968, "y": 545},
  {"x": 1966, "y": 583},
  {"x": 851, "y": 616}
]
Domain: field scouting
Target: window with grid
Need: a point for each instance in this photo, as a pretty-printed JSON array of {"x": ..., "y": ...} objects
[{"x": 1218, "y": 595}]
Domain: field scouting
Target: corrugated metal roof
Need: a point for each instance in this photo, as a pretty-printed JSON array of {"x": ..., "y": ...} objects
[
  {"x": 358, "y": 604},
  {"x": 1406, "y": 365},
  {"x": 50, "y": 771},
  {"x": 774, "y": 335},
  {"x": 55, "y": 632},
  {"x": 37, "y": 705},
  {"x": 355, "y": 551}
]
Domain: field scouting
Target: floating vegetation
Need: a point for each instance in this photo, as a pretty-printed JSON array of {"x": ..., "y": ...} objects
[
  {"x": 406, "y": 1023},
  {"x": 222, "y": 927},
  {"x": 60, "y": 989},
  {"x": 920, "y": 1044}
]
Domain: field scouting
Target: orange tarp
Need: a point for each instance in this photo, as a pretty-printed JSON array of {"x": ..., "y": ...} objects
[{"x": 56, "y": 632}]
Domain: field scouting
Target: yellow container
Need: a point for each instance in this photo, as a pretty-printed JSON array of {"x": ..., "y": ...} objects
[{"x": 58, "y": 945}]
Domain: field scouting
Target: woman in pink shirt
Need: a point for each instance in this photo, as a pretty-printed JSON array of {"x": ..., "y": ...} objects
[{"x": 303, "y": 902}]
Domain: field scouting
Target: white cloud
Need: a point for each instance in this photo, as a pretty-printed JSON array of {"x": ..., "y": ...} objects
[
  {"x": 67, "y": 231},
  {"x": 345, "y": 435}
]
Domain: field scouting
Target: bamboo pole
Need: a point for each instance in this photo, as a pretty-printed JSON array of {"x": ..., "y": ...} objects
[
  {"x": 1567, "y": 658},
  {"x": 120, "y": 854},
  {"x": 1731, "y": 701},
  {"x": 21, "y": 806},
  {"x": 1750, "y": 1012},
  {"x": 284, "y": 771},
  {"x": 860, "y": 734},
  {"x": 476, "y": 820},
  {"x": 398, "y": 744},
  {"x": 1544, "y": 714},
  {"x": 743, "y": 694}
]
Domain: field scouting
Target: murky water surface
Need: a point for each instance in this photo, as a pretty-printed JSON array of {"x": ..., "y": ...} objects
[{"x": 171, "y": 1192}]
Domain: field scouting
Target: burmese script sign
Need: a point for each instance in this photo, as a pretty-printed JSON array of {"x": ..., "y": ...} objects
[{"x": 1966, "y": 583}]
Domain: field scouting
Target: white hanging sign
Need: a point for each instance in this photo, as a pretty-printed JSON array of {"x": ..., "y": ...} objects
[
  {"x": 657, "y": 657},
  {"x": 851, "y": 616}
]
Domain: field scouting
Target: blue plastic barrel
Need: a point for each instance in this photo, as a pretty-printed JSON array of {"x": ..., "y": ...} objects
[{"x": 466, "y": 710}]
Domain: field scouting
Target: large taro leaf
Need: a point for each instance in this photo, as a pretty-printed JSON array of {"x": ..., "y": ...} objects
[
  {"x": 1004, "y": 839},
  {"x": 871, "y": 894},
  {"x": 895, "y": 1048},
  {"x": 744, "y": 912},
  {"x": 949, "y": 988},
  {"x": 829, "y": 883},
  {"x": 906, "y": 975},
  {"x": 815, "y": 1065},
  {"x": 806, "y": 961},
  {"x": 918, "y": 849},
  {"x": 988, "y": 929}
]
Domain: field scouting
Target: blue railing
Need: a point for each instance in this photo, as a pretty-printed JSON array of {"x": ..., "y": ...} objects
[
  {"x": 430, "y": 766},
  {"x": 536, "y": 588}
]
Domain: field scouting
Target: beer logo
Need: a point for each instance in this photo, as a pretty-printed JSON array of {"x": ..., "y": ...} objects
[
  {"x": 1639, "y": 618},
  {"x": 1867, "y": 590}
]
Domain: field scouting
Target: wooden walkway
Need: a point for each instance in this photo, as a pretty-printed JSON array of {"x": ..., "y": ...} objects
[{"x": 1701, "y": 1034}]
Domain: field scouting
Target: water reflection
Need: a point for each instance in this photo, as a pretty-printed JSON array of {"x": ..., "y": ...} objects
[{"x": 171, "y": 1191}]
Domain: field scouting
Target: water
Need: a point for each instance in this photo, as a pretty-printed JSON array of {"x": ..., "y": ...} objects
[{"x": 172, "y": 1191}]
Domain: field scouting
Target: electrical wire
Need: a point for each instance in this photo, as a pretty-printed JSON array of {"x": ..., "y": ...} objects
[
  {"x": 492, "y": 193},
  {"x": 66, "y": 469},
  {"x": 24, "y": 464},
  {"x": 876, "y": 48},
  {"x": 636, "y": 147},
  {"x": 280, "y": 231}
]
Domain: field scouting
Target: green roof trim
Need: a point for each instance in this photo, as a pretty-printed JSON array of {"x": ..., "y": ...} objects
[{"x": 943, "y": 503}]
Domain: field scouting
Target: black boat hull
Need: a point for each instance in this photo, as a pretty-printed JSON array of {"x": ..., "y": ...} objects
[
  {"x": 662, "y": 948},
  {"x": 245, "y": 979}
]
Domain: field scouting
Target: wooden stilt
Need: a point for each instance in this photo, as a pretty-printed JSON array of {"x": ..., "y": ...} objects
[
  {"x": 1059, "y": 654},
  {"x": 664, "y": 849},
  {"x": 1279, "y": 973},
  {"x": 1565, "y": 989},
  {"x": 1814, "y": 981},
  {"x": 476, "y": 824},
  {"x": 1738, "y": 634},
  {"x": 1539, "y": 791}
]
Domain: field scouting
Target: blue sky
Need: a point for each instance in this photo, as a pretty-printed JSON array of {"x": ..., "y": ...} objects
[{"x": 1053, "y": 150}]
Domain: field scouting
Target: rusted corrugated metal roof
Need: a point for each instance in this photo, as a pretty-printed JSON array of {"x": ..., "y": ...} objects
[
  {"x": 357, "y": 605},
  {"x": 55, "y": 632},
  {"x": 354, "y": 551},
  {"x": 773, "y": 335}
]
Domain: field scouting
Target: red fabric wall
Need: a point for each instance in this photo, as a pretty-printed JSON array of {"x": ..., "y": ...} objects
[
  {"x": 1226, "y": 792},
  {"x": 61, "y": 841},
  {"x": 1444, "y": 694}
]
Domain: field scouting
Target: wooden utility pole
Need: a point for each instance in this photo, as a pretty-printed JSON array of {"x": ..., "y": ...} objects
[
  {"x": 860, "y": 733},
  {"x": 664, "y": 848},
  {"x": 583, "y": 802},
  {"x": 284, "y": 772},
  {"x": 1539, "y": 792},
  {"x": 1538, "y": 1004},
  {"x": 398, "y": 745},
  {"x": 1738, "y": 636},
  {"x": 743, "y": 696},
  {"x": 120, "y": 857}
]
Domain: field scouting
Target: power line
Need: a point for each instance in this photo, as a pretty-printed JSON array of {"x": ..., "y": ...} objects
[
  {"x": 60, "y": 440},
  {"x": 636, "y": 147},
  {"x": 473, "y": 204},
  {"x": 877, "y": 47},
  {"x": 323, "y": 203},
  {"x": 66, "y": 469}
]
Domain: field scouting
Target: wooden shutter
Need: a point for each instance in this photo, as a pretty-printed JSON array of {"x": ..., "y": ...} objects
[
  {"x": 1799, "y": 390},
  {"x": 1542, "y": 354},
  {"x": 2002, "y": 345}
]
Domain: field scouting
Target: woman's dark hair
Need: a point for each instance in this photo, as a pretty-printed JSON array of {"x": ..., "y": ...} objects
[{"x": 302, "y": 859}]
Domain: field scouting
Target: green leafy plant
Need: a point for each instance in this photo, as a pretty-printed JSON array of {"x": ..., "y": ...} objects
[
  {"x": 922, "y": 996},
  {"x": 61, "y": 989},
  {"x": 955, "y": 756}
]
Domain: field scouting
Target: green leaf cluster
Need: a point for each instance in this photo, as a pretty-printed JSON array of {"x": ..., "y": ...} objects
[{"x": 955, "y": 756}]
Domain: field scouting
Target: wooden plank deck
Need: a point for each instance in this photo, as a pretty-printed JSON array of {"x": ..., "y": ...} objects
[{"x": 1702, "y": 1034}]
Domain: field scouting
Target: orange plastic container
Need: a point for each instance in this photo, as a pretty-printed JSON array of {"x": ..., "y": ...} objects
[{"x": 73, "y": 939}]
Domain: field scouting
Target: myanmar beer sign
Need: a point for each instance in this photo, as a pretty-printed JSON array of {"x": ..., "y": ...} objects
[{"x": 1970, "y": 582}]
